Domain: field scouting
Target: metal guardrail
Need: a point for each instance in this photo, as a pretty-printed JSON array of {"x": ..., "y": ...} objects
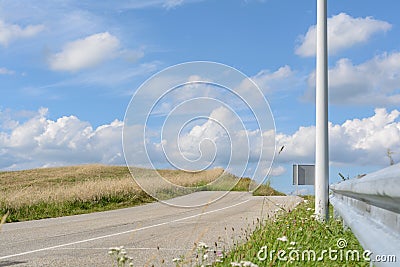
[{"x": 370, "y": 206}]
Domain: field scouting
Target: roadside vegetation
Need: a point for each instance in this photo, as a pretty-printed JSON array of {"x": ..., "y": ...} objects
[
  {"x": 290, "y": 238},
  {"x": 53, "y": 192}
]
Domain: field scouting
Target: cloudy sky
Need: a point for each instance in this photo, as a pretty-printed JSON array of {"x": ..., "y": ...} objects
[{"x": 68, "y": 70}]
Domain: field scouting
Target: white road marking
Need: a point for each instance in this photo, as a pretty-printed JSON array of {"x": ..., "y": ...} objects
[
  {"x": 128, "y": 248},
  {"x": 120, "y": 233}
]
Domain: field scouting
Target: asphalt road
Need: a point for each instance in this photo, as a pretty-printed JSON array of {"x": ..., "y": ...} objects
[{"x": 152, "y": 234}]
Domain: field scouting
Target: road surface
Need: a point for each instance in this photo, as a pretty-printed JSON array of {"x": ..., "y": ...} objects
[{"x": 152, "y": 234}]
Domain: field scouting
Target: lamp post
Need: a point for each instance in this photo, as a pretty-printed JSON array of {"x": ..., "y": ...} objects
[{"x": 321, "y": 101}]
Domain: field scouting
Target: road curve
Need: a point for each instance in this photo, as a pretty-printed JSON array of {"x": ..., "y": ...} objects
[{"x": 152, "y": 234}]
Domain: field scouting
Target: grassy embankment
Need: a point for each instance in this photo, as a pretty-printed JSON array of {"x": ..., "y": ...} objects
[
  {"x": 53, "y": 192},
  {"x": 297, "y": 234}
]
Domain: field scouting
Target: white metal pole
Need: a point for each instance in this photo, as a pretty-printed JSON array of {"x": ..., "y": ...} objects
[{"x": 321, "y": 150}]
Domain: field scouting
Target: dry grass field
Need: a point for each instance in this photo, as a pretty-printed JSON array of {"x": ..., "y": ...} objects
[
  {"x": 84, "y": 183},
  {"x": 52, "y": 192}
]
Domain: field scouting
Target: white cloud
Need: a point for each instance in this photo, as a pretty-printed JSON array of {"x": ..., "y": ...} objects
[
  {"x": 344, "y": 31},
  {"x": 298, "y": 147},
  {"x": 85, "y": 53},
  {"x": 172, "y": 3},
  {"x": 277, "y": 171},
  {"x": 357, "y": 141},
  {"x": 40, "y": 141},
  {"x": 269, "y": 82},
  {"x": 105, "y": 77},
  {"x": 132, "y": 55},
  {"x": 222, "y": 140},
  {"x": 140, "y": 4},
  {"x": 12, "y": 32},
  {"x": 374, "y": 82},
  {"x": 5, "y": 71},
  {"x": 272, "y": 81},
  {"x": 208, "y": 139}
]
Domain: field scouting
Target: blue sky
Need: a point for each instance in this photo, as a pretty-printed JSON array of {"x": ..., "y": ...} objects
[{"x": 68, "y": 70}]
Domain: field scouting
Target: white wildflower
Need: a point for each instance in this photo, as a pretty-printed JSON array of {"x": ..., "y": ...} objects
[
  {"x": 176, "y": 259},
  {"x": 283, "y": 238},
  {"x": 248, "y": 264},
  {"x": 202, "y": 245},
  {"x": 292, "y": 243}
]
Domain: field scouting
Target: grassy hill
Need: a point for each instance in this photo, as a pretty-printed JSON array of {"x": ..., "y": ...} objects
[{"x": 53, "y": 192}]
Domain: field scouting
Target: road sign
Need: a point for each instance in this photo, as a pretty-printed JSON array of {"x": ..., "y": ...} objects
[{"x": 303, "y": 174}]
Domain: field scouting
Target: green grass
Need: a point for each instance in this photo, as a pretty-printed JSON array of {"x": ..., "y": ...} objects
[
  {"x": 42, "y": 210},
  {"x": 242, "y": 184},
  {"x": 300, "y": 227}
]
